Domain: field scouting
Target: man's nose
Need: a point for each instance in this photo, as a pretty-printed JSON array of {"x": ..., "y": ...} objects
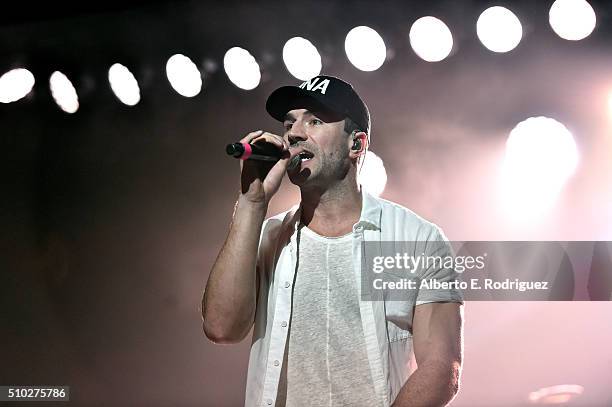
[{"x": 296, "y": 135}]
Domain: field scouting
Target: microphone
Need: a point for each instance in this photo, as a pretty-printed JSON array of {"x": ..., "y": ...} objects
[
  {"x": 262, "y": 151},
  {"x": 294, "y": 162}
]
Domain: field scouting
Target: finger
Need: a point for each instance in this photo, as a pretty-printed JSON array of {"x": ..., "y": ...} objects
[
  {"x": 272, "y": 138},
  {"x": 251, "y": 136},
  {"x": 276, "y": 174}
]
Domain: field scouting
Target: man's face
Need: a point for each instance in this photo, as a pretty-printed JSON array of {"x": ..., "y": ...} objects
[{"x": 320, "y": 135}]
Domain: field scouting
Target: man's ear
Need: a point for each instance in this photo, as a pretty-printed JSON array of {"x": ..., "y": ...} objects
[{"x": 359, "y": 143}]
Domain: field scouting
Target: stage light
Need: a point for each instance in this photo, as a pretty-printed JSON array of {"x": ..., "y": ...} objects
[
  {"x": 431, "y": 39},
  {"x": 241, "y": 68},
  {"x": 183, "y": 75},
  {"x": 499, "y": 29},
  {"x": 559, "y": 394},
  {"x": 15, "y": 84},
  {"x": 124, "y": 84},
  {"x": 365, "y": 48},
  {"x": 301, "y": 58},
  {"x": 541, "y": 155},
  {"x": 373, "y": 176},
  {"x": 63, "y": 92},
  {"x": 572, "y": 19}
]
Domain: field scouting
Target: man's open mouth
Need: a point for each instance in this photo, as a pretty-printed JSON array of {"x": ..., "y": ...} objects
[{"x": 306, "y": 155}]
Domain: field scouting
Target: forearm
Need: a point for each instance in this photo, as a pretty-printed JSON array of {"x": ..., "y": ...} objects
[
  {"x": 228, "y": 305},
  {"x": 433, "y": 384}
]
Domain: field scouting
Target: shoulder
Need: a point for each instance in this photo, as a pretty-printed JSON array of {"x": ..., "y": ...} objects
[{"x": 399, "y": 217}]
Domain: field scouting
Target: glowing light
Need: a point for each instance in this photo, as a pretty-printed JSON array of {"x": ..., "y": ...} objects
[
  {"x": 431, "y": 39},
  {"x": 241, "y": 68},
  {"x": 559, "y": 394},
  {"x": 124, "y": 84},
  {"x": 572, "y": 19},
  {"x": 365, "y": 48},
  {"x": 183, "y": 75},
  {"x": 63, "y": 92},
  {"x": 301, "y": 58},
  {"x": 540, "y": 156},
  {"x": 15, "y": 84},
  {"x": 499, "y": 29},
  {"x": 373, "y": 176}
]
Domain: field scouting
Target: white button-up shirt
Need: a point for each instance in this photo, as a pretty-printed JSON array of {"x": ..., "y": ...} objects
[{"x": 387, "y": 325}]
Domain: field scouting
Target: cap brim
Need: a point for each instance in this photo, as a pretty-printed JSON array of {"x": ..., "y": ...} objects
[{"x": 286, "y": 98}]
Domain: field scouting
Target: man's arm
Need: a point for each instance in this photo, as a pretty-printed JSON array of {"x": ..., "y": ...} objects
[
  {"x": 438, "y": 348},
  {"x": 230, "y": 298},
  {"x": 229, "y": 301}
]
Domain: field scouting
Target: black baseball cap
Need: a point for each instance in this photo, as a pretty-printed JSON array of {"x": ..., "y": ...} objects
[{"x": 327, "y": 91}]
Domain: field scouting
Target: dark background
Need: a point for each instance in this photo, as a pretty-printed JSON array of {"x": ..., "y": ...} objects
[{"x": 111, "y": 217}]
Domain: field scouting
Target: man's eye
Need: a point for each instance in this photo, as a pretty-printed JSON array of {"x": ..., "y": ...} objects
[{"x": 316, "y": 121}]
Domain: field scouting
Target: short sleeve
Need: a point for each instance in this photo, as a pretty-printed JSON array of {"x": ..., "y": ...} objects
[{"x": 438, "y": 281}]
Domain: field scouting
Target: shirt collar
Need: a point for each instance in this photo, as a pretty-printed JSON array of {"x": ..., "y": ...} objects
[
  {"x": 370, "y": 213},
  {"x": 370, "y": 210}
]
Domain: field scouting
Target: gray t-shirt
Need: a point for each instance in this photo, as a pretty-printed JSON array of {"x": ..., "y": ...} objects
[{"x": 325, "y": 362}]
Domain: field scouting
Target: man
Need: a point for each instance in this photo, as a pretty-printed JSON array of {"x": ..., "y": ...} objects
[{"x": 295, "y": 276}]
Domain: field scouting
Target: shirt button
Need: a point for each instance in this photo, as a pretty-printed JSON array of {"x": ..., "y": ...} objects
[
  {"x": 284, "y": 324},
  {"x": 287, "y": 284},
  {"x": 269, "y": 401},
  {"x": 276, "y": 363}
]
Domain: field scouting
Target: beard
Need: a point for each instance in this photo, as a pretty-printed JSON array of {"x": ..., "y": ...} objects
[{"x": 323, "y": 170}]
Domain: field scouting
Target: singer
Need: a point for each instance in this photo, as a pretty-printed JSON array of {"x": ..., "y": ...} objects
[{"x": 294, "y": 278}]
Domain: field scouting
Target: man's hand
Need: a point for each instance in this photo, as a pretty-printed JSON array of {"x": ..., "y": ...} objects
[
  {"x": 260, "y": 180},
  {"x": 438, "y": 348}
]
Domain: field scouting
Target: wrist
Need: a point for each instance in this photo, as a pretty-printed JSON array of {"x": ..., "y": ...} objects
[{"x": 252, "y": 205}]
